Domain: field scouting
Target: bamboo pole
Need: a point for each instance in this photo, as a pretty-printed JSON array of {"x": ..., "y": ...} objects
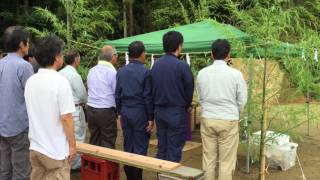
[
  {"x": 68, "y": 11},
  {"x": 263, "y": 124},
  {"x": 248, "y": 120},
  {"x": 308, "y": 95}
]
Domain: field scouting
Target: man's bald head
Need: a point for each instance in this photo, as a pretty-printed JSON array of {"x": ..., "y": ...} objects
[{"x": 107, "y": 52}]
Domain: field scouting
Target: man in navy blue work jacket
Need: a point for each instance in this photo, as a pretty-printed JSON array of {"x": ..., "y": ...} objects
[
  {"x": 172, "y": 91},
  {"x": 134, "y": 102}
]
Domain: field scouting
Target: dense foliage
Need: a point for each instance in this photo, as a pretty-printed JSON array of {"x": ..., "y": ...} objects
[
  {"x": 293, "y": 21},
  {"x": 85, "y": 22}
]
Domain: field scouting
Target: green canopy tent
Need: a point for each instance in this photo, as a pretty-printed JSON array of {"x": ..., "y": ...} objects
[{"x": 198, "y": 37}]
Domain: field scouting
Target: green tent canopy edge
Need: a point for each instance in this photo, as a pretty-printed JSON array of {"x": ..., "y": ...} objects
[{"x": 198, "y": 38}]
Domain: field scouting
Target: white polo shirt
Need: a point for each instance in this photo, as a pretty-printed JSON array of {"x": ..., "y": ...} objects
[
  {"x": 48, "y": 95},
  {"x": 222, "y": 91}
]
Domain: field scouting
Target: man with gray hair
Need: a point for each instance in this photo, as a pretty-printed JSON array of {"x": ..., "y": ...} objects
[{"x": 101, "y": 105}]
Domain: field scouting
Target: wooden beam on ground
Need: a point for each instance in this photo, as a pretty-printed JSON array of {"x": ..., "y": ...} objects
[
  {"x": 188, "y": 146},
  {"x": 144, "y": 162}
]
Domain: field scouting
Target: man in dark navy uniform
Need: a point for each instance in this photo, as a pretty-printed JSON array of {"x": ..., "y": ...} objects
[
  {"x": 135, "y": 105},
  {"x": 172, "y": 91}
]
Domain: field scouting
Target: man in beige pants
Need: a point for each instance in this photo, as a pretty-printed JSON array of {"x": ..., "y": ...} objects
[
  {"x": 223, "y": 94},
  {"x": 50, "y": 105}
]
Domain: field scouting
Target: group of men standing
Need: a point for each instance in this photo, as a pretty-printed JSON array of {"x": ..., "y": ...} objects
[
  {"x": 49, "y": 106},
  {"x": 140, "y": 95}
]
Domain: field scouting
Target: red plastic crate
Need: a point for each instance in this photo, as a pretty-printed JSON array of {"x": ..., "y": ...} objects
[{"x": 96, "y": 169}]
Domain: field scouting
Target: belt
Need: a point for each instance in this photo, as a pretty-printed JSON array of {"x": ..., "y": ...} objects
[
  {"x": 80, "y": 104},
  {"x": 109, "y": 108}
]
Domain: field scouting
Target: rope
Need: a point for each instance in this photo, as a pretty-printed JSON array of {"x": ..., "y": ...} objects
[
  {"x": 84, "y": 44},
  {"x": 205, "y": 52},
  {"x": 303, "y": 176}
]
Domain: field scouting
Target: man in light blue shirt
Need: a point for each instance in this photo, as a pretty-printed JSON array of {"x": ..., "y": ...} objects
[
  {"x": 222, "y": 93},
  {"x": 14, "y": 72},
  {"x": 101, "y": 106},
  {"x": 72, "y": 59}
]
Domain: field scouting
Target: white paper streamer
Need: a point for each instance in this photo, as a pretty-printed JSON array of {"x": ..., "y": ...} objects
[
  {"x": 152, "y": 60},
  {"x": 303, "y": 55},
  {"x": 188, "y": 59},
  {"x": 127, "y": 58},
  {"x": 316, "y": 55}
]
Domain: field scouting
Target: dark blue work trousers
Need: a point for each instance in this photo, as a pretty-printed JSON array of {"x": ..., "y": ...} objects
[
  {"x": 172, "y": 129},
  {"x": 136, "y": 139}
]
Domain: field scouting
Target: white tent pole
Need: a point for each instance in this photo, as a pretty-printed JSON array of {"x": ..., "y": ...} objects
[
  {"x": 188, "y": 59},
  {"x": 152, "y": 60},
  {"x": 127, "y": 58}
]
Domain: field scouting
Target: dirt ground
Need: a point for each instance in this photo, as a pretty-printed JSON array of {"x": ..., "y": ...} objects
[{"x": 308, "y": 152}]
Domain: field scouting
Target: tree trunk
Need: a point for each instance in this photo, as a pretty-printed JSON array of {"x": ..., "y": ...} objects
[
  {"x": 26, "y": 6},
  {"x": 69, "y": 31},
  {"x": 124, "y": 19},
  {"x": 17, "y": 7},
  {"x": 131, "y": 18}
]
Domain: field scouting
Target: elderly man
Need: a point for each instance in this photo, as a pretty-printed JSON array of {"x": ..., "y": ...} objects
[
  {"x": 14, "y": 72},
  {"x": 223, "y": 94},
  {"x": 79, "y": 92},
  {"x": 101, "y": 106}
]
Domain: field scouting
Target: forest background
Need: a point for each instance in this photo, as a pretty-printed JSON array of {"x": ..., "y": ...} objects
[{"x": 86, "y": 22}]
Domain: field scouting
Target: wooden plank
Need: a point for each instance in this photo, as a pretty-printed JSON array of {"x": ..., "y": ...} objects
[
  {"x": 188, "y": 146},
  {"x": 145, "y": 162}
]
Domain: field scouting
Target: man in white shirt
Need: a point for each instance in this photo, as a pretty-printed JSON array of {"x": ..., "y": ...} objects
[
  {"x": 50, "y": 106},
  {"x": 223, "y": 94},
  {"x": 72, "y": 59}
]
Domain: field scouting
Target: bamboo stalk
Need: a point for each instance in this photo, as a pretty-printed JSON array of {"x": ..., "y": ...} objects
[
  {"x": 263, "y": 122},
  {"x": 308, "y": 95},
  {"x": 68, "y": 11},
  {"x": 249, "y": 114}
]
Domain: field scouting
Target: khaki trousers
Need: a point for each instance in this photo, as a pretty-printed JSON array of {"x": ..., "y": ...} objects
[
  {"x": 220, "y": 140},
  {"x": 45, "y": 168}
]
